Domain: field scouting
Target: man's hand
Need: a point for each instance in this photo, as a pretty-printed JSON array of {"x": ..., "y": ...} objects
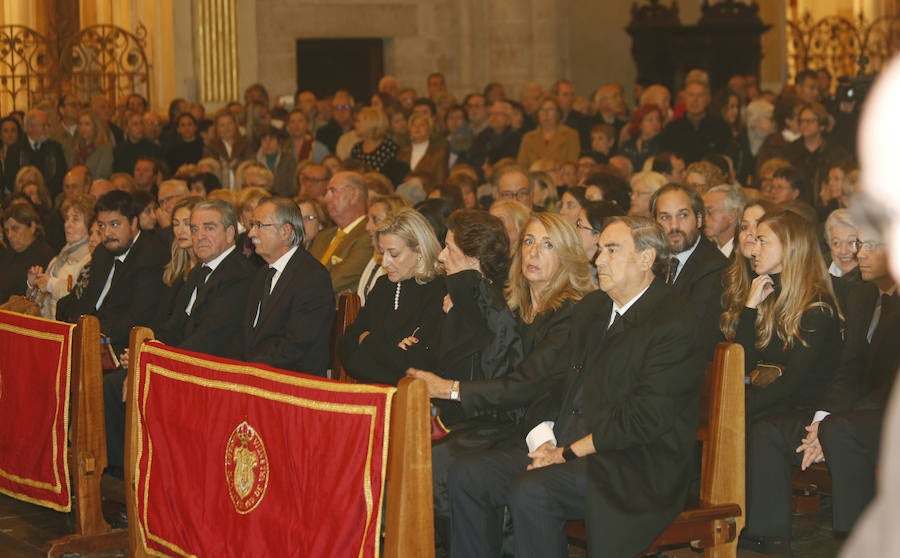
[
  {"x": 545, "y": 454},
  {"x": 811, "y": 448},
  {"x": 438, "y": 388}
]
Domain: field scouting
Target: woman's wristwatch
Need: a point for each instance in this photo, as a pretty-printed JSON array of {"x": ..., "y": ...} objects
[{"x": 454, "y": 391}]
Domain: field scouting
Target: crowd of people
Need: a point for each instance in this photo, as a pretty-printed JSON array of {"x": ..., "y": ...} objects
[{"x": 557, "y": 269}]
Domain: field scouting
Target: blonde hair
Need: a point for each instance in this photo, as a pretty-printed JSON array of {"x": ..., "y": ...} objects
[
  {"x": 412, "y": 227},
  {"x": 372, "y": 122},
  {"x": 101, "y": 132},
  {"x": 805, "y": 283},
  {"x": 183, "y": 259},
  {"x": 571, "y": 282}
]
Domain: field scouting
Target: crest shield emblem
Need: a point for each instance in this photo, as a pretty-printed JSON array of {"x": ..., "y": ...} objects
[{"x": 246, "y": 468}]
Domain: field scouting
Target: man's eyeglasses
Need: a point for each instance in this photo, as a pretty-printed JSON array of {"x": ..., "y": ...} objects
[
  {"x": 259, "y": 225},
  {"x": 579, "y": 224},
  {"x": 859, "y": 245},
  {"x": 521, "y": 195}
]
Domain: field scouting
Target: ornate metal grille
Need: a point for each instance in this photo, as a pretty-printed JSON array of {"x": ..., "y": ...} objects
[
  {"x": 843, "y": 46},
  {"x": 107, "y": 60},
  {"x": 27, "y": 68}
]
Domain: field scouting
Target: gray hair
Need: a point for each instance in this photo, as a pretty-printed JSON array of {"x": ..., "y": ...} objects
[
  {"x": 226, "y": 212},
  {"x": 286, "y": 211},
  {"x": 759, "y": 109},
  {"x": 839, "y": 217},
  {"x": 735, "y": 198},
  {"x": 647, "y": 233}
]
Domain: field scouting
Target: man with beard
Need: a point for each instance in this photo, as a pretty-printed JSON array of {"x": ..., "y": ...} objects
[{"x": 696, "y": 265}]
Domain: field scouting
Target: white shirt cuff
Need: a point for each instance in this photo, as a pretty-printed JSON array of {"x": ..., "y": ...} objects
[
  {"x": 540, "y": 434},
  {"x": 820, "y": 416}
]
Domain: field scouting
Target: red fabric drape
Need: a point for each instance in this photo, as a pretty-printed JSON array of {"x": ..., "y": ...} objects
[
  {"x": 35, "y": 374},
  {"x": 244, "y": 460}
]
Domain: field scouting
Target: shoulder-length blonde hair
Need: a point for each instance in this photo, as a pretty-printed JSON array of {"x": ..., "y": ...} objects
[
  {"x": 372, "y": 123},
  {"x": 805, "y": 283},
  {"x": 572, "y": 280},
  {"x": 101, "y": 131},
  {"x": 736, "y": 279},
  {"x": 183, "y": 259},
  {"x": 413, "y": 228}
]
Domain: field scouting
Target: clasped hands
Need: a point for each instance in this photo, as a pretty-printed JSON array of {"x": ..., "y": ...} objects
[
  {"x": 545, "y": 454},
  {"x": 810, "y": 447},
  {"x": 37, "y": 278}
]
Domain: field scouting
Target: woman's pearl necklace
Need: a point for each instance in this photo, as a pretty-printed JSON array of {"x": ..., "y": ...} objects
[{"x": 397, "y": 296}]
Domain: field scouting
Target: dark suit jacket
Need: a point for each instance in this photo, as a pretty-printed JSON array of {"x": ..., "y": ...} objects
[
  {"x": 294, "y": 326},
  {"x": 50, "y": 159},
  {"x": 867, "y": 370},
  {"x": 215, "y": 325},
  {"x": 349, "y": 259},
  {"x": 434, "y": 163},
  {"x": 700, "y": 281},
  {"x": 636, "y": 389},
  {"x": 133, "y": 297}
]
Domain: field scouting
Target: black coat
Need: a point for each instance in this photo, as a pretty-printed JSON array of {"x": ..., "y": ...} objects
[
  {"x": 700, "y": 281},
  {"x": 133, "y": 297},
  {"x": 215, "y": 325},
  {"x": 294, "y": 325},
  {"x": 635, "y": 388},
  {"x": 378, "y": 359},
  {"x": 712, "y": 135},
  {"x": 49, "y": 159},
  {"x": 14, "y": 266}
]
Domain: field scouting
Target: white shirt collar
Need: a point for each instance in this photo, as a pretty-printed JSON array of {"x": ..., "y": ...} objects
[
  {"x": 833, "y": 269},
  {"x": 620, "y": 310},
  {"x": 214, "y": 263},
  {"x": 355, "y": 222},
  {"x": 124, "y": 255},
  {"x": 727, "y": 248},
  {"x": 683, "y": 257}
]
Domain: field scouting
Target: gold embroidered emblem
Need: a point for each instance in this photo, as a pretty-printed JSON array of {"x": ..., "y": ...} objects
[{"x": 246, "y": 468}]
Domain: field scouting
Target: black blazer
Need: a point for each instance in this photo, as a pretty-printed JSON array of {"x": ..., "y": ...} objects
[
  {"x": 133, "y": 297},
  {"x": 700, "y": 281},
  {"x": 294, "y": 326},
  {"x": 867, "y": 371},
  {"x": 50, "y": 159},
  {"x": 636, "y": 389},
  {"x": 215, "y": 325}
]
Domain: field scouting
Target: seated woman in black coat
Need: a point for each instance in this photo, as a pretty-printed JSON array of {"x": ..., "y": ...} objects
[
  {"x": 790, "y": 318},
  {"x": 400, "y": 325},
  {"x": 548, "y": 275},
  {"x": 25, "y": 247}
]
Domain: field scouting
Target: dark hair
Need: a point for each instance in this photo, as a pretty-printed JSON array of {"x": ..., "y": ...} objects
[
  {"x": 721, "y": 163},
  {"x": 173, "y": 107},
  {"x": 436, "y": 211},
  {"x": 662, "y": 162},
  {"x": 696, "y": 200},
  {"x": 426, "y": 102},
  {"x": 599, "y": 212},
  {"x": 25, "y": 214},
  {"x": 615, "y": 188},
  {"x": 209, "y": 180},
  {"x": 456, "y": 108},
  {"x": 794, "y": 177},
  {"x": 185, "y": 115},
  {"x": 120, "y": 201},
  {"x": 481, "y": 235},
  {"x": 271, "y": 132},
  {"x": 804, "y": 75},
  {"x": 143, "y": 199},
  {"x": 452, "y": 193},
  {"x": 577, "y": 192},
  {"x": 19, "y": 131}
]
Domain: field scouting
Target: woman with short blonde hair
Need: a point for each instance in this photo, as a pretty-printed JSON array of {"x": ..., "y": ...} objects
[{"x": 376, "y": 149}]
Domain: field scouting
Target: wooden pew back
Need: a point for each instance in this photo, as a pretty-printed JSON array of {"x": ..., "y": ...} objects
[{"x": 348, "y": 308}]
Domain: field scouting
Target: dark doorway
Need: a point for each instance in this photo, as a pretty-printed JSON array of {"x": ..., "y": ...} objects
[{"x": 325, "y": 65}]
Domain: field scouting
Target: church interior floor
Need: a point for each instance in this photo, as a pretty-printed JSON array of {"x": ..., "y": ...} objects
[{"x": 26, "y": 529}]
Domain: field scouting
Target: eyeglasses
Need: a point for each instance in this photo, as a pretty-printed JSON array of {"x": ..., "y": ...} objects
[
  {"x": 521, "y": 195},
  {"x": 580, "y": 225},
  {"x": 310, "y": 218},
  {"x": 342, "y": 107},
  {"x": 259, "y": 225},
  {"x": 869, "y": 245}
]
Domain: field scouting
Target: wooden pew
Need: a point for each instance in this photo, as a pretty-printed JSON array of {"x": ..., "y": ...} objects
[
  {"x": 347, "y": 310},
  {"x": 409, "y": 521},
  {"x": 714, "y": 522},
  {"x": 87, "y": 448}
]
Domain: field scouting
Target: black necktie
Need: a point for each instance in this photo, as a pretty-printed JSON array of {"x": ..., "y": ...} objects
[
  {"x": 616, "y": 319},
  {"x": 673, "y": 271},
  {"x": 267, "y": 289},
  {"x": 202, "y": 274}
]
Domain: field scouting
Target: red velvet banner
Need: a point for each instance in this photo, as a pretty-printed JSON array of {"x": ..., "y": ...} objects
[
  {"x": 244, "y": 460},
  {"x": 35, "y": 373}
]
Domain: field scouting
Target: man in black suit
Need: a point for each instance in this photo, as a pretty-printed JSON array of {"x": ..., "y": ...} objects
[
  {"x": 36, "y": 149},
  {"x": 290, "y": 305},
  {"x": 208, "y": 318},
  {"x": 698, "y": 132},
  {"x": 695, "y": 267},
  {"x": 123, "y": 291},
  {"x": 618, "y": 426},
  {"x": 845, "y": 432}
]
